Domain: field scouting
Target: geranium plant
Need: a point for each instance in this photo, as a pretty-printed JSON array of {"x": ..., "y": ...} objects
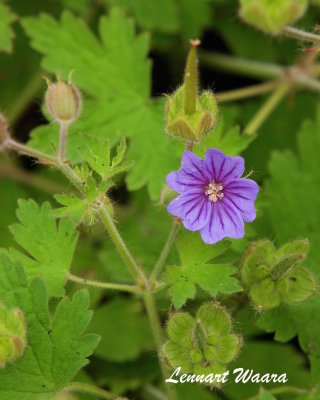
[{"x": 161, "y": 247}]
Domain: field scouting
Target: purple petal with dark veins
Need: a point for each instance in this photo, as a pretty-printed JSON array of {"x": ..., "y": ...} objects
[
  {"x": 220, "y": 167},
  {"x": 241, "y": 187},
  {"x": 190, "y": 176},
  {"x": 193, "y": 208},
  {"x": 225, "y": 221},
  {"x": 198, "y": 215},
  {"x": 242, "y": 194},
  {"x": 183, "y": 181}
]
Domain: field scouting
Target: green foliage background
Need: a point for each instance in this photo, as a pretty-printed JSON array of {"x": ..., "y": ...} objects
[{"x": 125, "y": 54}]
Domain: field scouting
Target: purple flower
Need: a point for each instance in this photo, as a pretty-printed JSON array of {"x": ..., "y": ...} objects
[{"x": 213, "y": 198}]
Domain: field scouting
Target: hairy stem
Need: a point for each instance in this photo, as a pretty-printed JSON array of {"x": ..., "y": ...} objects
[
  {"x": 164, "y": 253},
  {"x": 299, "y": 34},
  {"x": 63, "y": 142},
  {"x": 104, "y": 285},
  {"x": 121, "y": 247},
  {"x": 91, "y": 389},
  {"x": 266, "y": 109},
  {"x": 246, "y": 92},
  {"x": 21, "y": 148},
  {"x": 256, "y": 69},
  {"x": 241, "y": 66},
  {"x": 154, "y": 392},
  {"x": 156, "y": 329}
]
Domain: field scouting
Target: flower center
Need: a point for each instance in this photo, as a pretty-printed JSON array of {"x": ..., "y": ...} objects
[{"x": 214, "y": 191}]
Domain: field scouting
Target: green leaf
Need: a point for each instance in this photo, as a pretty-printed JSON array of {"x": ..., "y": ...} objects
[
  {"x": 293, "y": 197},
  {"x": 48, "y": 247},
  {"x": 115, "y": 74},
  {"x": 6, "y": 33},
  {"x": 302, "y": 320},
  {"x": 73, "y": 207},
  {"x": 264, "y": 395},
  {"x": 267, "y": 357},
  {"x": 160, "y": 15},
  {"x": 57, "y": 347},
  {"x": 124, "y": 330},
  {"x": 194, "y": 17},
  {"x": 232, "y": 142},
  {"x": 196, "y": 269}
]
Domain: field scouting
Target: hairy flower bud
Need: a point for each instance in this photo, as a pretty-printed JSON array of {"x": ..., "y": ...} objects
[
  {"x": 204, "y": 344},
  {"x": 13, "y": 340},
  {"x": 63, "y": 101},
  {"x": 189, "y": 116},
  {"x": 273, "y": 276},
  {"x": 271, "y": 16}
]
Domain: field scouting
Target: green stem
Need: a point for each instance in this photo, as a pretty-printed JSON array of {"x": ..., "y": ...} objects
[
  {"x": 241, "y": 66},
  {"x": 156, "y": 329},
  {"x": 164, "y": 253},
  {"x": 154, "y": 392},
  {"x": 104, "y": 285},
  {"x": 20, "y": 148},
  {"x": 63, "y": 142},
  {"x": 299, "y": 34},
  {"x": 121, "y": 247},
  {"x": 246, "y": 92},
  {"x": 70, "y": 174},
  {"x": 111, "y": 228},
  {"x": 91, "y": 389},
  {"x": 280, "y": 390},
  {"x": 255, "y": 69},
  {"x": 266, "y": 109}
]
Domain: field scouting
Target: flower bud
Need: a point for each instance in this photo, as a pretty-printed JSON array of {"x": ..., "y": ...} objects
[
  {"x": 271, "y": 16},
  {"x": 203, "y": 344},
  {"x": 63, "y": 101},
  {"x": 189, "y": 116},
  {"x": 13, "y": 340},
  {"x": 274, "y": 276}
]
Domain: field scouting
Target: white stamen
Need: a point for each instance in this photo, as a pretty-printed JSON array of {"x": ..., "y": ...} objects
[{"x": 214, "y": 191}]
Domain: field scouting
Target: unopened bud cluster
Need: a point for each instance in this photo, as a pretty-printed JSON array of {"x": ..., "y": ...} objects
[
  {"x": 272, "y": 16},
  {"x": 13, "y": 340},
  {"x": 204, "y": 344},
  {"x": 273, "y": 276},
  {"x": 190, "y": 116},
  {"x": 63, "y": 101}
]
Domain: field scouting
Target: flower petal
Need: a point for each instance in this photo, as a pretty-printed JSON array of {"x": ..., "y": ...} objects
[
  {"x": 220, "y": 167},
  {"x": 181, "y": 182},
  {"x": 192, "y": 208},
  {"x": 242, "y": 187},
  {"x": 225, "y": 221},
  {"x": 190, "y": 175},
  {"x": 197, "y": 217},
  {"x": 242, "y": 194}
]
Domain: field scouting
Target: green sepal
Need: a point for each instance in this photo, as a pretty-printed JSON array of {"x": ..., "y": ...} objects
[
  {"x": 204, "y": 344},
  {"x": 274, "y": 276},
  {"x": 191, "y": 127}
]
